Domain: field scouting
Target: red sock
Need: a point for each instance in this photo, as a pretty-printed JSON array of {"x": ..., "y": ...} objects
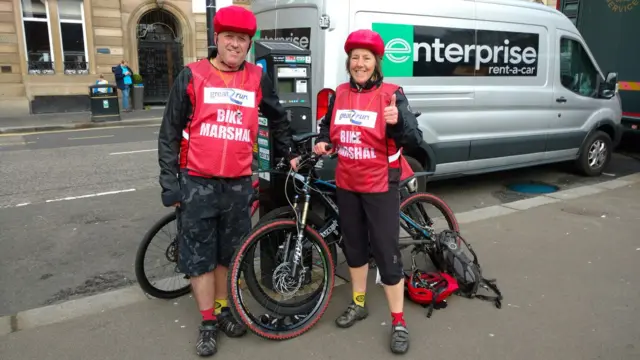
[
  {"x": 208, "y": 315},
  {"x": 398, "y": 318}
]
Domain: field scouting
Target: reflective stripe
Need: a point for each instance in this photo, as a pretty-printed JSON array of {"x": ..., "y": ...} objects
[
  {"x": 185, "y": 135},
  {"x": 395, "y": 156},
  {"x": 629, "y": 85}
]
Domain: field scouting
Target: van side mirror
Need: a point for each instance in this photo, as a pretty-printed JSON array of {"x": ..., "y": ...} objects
[
  {"x": 610, "y": 85},
  {"x": 612, "y": 78}
]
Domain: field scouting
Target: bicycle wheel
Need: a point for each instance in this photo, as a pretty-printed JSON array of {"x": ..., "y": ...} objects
[
  {"x": 276, "y": 325},
  {"x": 170, "y": 253},
  {"x": 252, "y": 282},
  {"x": 413, "y": 208}
]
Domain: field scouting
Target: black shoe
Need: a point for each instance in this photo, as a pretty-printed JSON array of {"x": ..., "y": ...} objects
[
  {"x": 207, "y": 344},
  {"x": 399, "y": 339},
  {"x": 351, "y": 315},
  {"x": 230, "y": 326}
]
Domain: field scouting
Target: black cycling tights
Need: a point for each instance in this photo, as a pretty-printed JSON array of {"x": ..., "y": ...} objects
[{"x": 370, "y": 222}]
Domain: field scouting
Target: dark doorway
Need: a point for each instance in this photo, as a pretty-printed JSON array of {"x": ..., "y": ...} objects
[{"x": 159, "y": 54}]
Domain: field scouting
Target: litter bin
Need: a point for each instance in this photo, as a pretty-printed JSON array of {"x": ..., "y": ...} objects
[
  {"x": 138, "y": 96},
  {"x": 104, "y": 103}
]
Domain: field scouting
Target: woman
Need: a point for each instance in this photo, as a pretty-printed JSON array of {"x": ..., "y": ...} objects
[{"x": 368, "y": 123}]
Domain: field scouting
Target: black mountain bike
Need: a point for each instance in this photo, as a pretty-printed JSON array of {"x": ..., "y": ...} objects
[{"x": 294, "y": 232}]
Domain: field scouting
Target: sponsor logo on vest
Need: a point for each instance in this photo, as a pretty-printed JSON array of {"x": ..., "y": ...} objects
[
  {"x": 413, "y": 50},
  {"x": 229, "y": 96},
  {"x": 354, "y": 152},
  {"x": 356, "y": 117}
]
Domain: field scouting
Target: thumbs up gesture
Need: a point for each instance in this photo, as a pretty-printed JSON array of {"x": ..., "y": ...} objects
[{"x": 391, "y": 112}]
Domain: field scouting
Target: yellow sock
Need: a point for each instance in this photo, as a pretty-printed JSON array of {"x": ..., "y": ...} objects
[
  {"x": 222, "y": 303},
  {"x": 358, "y": 298}
]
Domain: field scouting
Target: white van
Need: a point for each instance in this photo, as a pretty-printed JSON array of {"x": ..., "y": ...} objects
[{"x": 500, "y": 84}]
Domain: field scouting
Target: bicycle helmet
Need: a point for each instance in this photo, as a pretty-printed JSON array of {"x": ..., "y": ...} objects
[
  {"x": 423, "y": 287},
  {"x": 365, "y": 39},
  {"x": 235, "y": 18}
]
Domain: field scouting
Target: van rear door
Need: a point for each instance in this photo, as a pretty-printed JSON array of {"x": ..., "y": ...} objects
[{"x": 296, "y": 21}]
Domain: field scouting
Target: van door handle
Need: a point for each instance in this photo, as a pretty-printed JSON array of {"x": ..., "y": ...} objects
[{"x": 561, "y": 99}]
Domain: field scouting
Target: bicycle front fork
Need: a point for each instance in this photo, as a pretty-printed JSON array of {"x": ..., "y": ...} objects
[{"x": 297, "y": 253}]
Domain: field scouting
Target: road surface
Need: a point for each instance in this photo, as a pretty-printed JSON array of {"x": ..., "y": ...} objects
[{"x": 75, "y": 204}]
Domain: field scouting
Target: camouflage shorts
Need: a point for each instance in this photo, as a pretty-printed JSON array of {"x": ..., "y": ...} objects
[{"x": 213, "y": 217}]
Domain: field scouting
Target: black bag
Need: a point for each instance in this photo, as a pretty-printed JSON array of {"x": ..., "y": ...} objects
[{"x": 450, "y": 258}]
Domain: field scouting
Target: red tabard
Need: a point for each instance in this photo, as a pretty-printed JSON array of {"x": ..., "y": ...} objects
[
  {"x": 218, "y": 140},
  {"x": 359, "y": 134}
]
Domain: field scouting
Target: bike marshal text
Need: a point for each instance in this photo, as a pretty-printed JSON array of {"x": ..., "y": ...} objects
[
  {"x": 224, "y": 127},
  {"x": 354, "y": 150}
]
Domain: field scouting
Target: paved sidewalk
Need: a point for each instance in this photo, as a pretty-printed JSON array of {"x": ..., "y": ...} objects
[
  {"x": 568, "y": 271},
  {"x": 52, "y": 122}
]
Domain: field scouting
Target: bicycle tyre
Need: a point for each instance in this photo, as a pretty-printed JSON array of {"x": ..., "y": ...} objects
[
  {"x": 253, "y": 285},
  {"x": 234, "y": 275},
  {"x": 436, "y": 202},
  {"x": 141, "y": 276}
]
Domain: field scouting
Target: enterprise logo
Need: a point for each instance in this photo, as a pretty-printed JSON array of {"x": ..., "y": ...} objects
[{"x": 398, "y": 50}]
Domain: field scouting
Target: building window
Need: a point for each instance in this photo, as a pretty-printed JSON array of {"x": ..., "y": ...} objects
[
  {"x": 571, "y": 9},
  {"x": 37, "y": 36},
  {"x": 577, "y": 72},
  {"x": 73, "y": 37}
]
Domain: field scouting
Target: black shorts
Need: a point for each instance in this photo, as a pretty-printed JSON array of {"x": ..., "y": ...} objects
[
  {"x": 370, "y": 225},
  {"x": 213, "y": 217}
]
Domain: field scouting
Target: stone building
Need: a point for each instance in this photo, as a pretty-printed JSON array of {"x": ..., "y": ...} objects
[{"x": 51, "y": 50}]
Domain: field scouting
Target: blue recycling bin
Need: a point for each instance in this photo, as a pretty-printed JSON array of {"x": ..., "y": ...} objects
[{"x": 104, "y": 103}]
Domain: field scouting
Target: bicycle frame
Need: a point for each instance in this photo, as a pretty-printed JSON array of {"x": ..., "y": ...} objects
[
  {"x": 309, "y": 185},
  {"x": 329, "y": 227}
]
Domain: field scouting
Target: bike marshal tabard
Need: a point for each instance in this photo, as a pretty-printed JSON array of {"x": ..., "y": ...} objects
[{"x": 427, "y": 51}]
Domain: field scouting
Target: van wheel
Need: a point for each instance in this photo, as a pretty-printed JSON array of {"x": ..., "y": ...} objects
[
  {"x": 417, "y": 167},
  {"x": 595, "y": 154}
]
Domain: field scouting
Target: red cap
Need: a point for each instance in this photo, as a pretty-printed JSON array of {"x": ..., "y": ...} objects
[
  {"x": 365, "y": 39},
  {"x": 235, "y": 18}
]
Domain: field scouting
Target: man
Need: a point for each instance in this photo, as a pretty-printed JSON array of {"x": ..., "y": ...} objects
[
  {"x": 123, "y": 75},
  {"x": 205, "y": 153}
]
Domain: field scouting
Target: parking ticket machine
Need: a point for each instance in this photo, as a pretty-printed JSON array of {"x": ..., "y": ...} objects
[{"x": 289, "y": 68}]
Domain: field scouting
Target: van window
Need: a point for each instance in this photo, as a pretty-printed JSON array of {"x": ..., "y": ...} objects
[{"x": 577, "y": 72}]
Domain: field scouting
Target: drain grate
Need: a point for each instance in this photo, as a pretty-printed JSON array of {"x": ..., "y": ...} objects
[{"x": 533, "y": 188}]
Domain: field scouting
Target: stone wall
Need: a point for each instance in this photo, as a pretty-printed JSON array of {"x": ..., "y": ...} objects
[{"x": 10, "y": 65}]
